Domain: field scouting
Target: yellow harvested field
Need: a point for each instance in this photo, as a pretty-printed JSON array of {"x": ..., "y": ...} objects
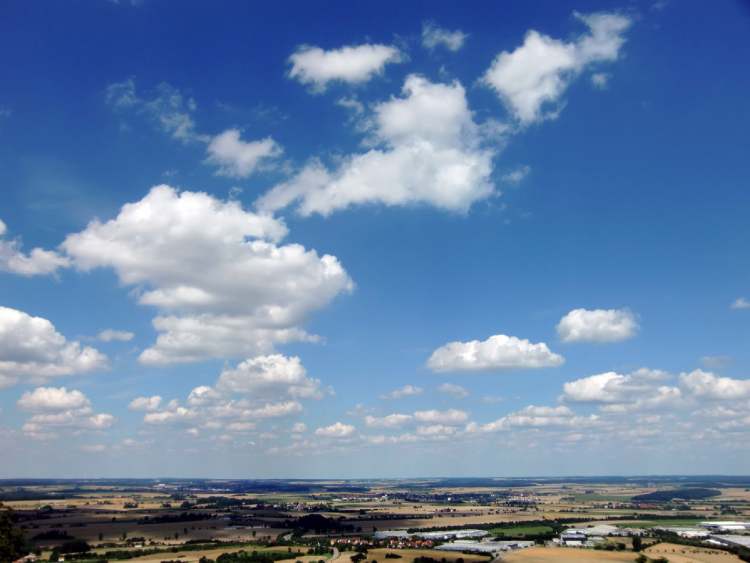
[
  {"x": 190, "y": 556},
  {"x": 686, "y": 554},
  {"x": 566, "y": 555},
  {"x": 408, "y": 555}
]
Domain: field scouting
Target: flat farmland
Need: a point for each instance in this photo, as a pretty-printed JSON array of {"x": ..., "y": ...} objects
[
  {"x": 408, "y": 556},
  {"x": 687, "y": 554},
  {"x": 565, "y": 555}
]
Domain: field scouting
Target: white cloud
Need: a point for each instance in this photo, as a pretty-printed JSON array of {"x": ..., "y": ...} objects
[
  {"x": 352, "y": 64},
  {"x": 53, "y": 399},
  {"x": 31, "y": 349},
  {"x": 148, "y": 404},
  {"x": 223, "y": 287},
  {"x": 535, "y": 76},
  {"x": 537, "y": 417},
  {"x": 202, "y": 395},
  {"x": 256, "y": 390},
  {"x": 515, "y": 177},
  {"x": 611, "y": 387},
  {"x": 336, "y": 430},
  {"x": 427, "y": 150},
  {"x": 454, "y": 390},
  {"x": 270, "y": 374},
  {"x": 394, "y": 420},
  {"x": 740, "y": 303},
  {"x": 436, "y": 430},
  {"x": 600, "y": 80},
  {"x": 405, "y": 391},
  {"x": 617, "y": 393},
  {"x": 168, "y": 108},
  {"x": 173, "y": 113},
  {"x": 450, "y": 416},
  {"x": 707, "y": 385},
  {"x": 111, "y": 335},
  {"x": 275, "y": 410},
  {"x": 59, "y": 409},
  {"x": 299, "y": 427},
  {"x": 171, "y": 416},
  {"x": 237, "y": 158},
  {"x": 597, "y": 325},
  {"x": 435, "y": 36},
  {"x": 498, "y": 352},
  {"x": 352, "y": 104},
  {"x": 38, "y": 262}
]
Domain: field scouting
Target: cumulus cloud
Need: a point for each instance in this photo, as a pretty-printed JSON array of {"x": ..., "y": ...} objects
[
  {"x": 532, "y": 79},
  {"x": 740, "y": 303},
  {"x": 354, "y": 64},
  {"x": 536, "y": 417},
  {"x": 145, "y": 403},
  {"x": 258, "y": 389},
  {"x": 405, "y": 391},
  {"x": 611, "y": 387},
  {"x": 498, "y": 352},
  {"x": 450, "y": 416},
  {"x": 394, "y": 420},
  {"x": 427, "y": 149},
  {"x": 707, "y": 385},
  {"x": 336, "y": 430},
  {"x": 435, "y": 36},
  {"x": 32, "y": 350},
  {"x": 60, "y": 409},
  {"x": 38, "y": 262},
  {"x": 111, "y": 335},
  {"x": 453, "y": 390},
  {"x": 237, "y": 158},
  {"x": 222, "y": 285},
  {"x": 173, "y": 113},
  {"x": 642, "y": 389},
  {"x": 270, "y": 374},
  {"x": 597, "y": 325},
  {"x": 52, "y": 398}
]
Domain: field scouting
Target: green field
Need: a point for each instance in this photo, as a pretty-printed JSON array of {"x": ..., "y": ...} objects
[{"x": 520, "y": 531}]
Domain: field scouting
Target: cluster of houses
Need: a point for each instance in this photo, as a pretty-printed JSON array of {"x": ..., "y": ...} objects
[{"x": 471, "y": 541}]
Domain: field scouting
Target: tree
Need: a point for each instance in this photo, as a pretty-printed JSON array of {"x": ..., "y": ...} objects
[
  {"x": 12, "y": 543},
  {"x": 637, "y": 543}
]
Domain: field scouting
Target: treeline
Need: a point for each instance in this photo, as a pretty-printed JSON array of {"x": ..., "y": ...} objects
[
  {"x": 317, "y": 523},
  {"x": 172, "y": 518},
  {"x": 683, "y": 494},
  {"x": 248, "y": 557}
]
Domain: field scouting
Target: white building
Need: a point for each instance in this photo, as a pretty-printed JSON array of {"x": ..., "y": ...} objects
[
  {"x": 726, "y": 526},
  {"x": 489, "y": 547}
]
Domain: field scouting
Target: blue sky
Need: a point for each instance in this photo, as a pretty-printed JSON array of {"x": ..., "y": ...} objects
[{"x": 395, "y": 241}]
